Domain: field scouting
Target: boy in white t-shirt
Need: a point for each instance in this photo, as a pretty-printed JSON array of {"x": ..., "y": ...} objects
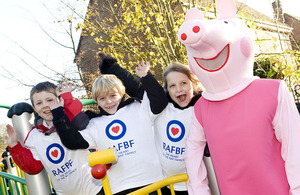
[
  {"x": 125, "y": 124},
  {"x": 68, "y": 169}
]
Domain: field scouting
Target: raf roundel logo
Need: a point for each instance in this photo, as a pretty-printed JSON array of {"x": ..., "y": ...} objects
[
  {"x": 175, "y": 131},
  {"x": 55, "y": 153},
  {"x": 115, "y": 130}
]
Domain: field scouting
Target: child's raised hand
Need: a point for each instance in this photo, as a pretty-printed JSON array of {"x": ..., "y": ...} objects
[
  {"x": 12, "y": 137},
  {"x": 58, "y": 103},
  {"x": 66, "y": 87},
  {"x": 142, "y": 69}
]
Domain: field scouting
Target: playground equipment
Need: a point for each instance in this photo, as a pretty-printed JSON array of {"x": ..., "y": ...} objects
[
  {"x": 212, "y": 180},
  {"x": 21, "y": 114},
  {"x": 103, "y": 157},
  {"x": 160, "y": 184},
  {"x": 9, "y": 182},
  {"x": 10, "y": 168},
  {"x": 108, "y": 156}
]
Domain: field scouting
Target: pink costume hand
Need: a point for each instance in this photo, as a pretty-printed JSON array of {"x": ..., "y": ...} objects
[
  {"x": 142, "y": 69},
  {"x": 12, "y": 137}
]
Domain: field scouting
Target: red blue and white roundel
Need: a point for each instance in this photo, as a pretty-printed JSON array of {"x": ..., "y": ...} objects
[
  {"x": 55, "y": 153},
  {"x": 175, "y": 131},
  {"x": 115, "y": 130}
]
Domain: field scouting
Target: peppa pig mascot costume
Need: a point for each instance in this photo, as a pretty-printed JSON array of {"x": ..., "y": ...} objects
[{"x": 251, "y": 125}]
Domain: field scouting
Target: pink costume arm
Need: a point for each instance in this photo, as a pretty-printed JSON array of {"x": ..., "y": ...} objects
[
  {"x": 196, "y": 170},
  {"x": 286, "y": 123}
]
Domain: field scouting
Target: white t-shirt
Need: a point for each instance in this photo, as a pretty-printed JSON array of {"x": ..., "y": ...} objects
[
  {"x": 69, "y": 170},
  {"x": 171, "y": 128},
  {"x": 130, "y": 131}
]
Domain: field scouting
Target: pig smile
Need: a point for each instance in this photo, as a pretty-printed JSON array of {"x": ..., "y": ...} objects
[{"x": 216, "y": 63}]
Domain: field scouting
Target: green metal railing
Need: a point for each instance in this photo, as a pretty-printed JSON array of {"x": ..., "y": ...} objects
[
  {"x": 84, "y": 102},
  {"x": 4, "y": 106},
  {"x": 87, "y": 102},
  {"x": 11, "y": 185}
]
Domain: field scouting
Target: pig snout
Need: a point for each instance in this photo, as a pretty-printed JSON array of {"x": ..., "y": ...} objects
[{"x": 190, "y": 33}]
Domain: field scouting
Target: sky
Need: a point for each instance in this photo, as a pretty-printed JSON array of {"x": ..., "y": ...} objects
[
  {"x": 264, "y": 6},
  {"x": 23, "y": 41}
]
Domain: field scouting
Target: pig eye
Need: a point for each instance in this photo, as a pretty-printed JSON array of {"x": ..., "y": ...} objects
[{"x": 226, "y": 22}]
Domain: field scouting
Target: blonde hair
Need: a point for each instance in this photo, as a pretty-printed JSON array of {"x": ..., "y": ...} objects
[
  {"x": 184, "y": 69},
  {"x": 106, "y": 82}
]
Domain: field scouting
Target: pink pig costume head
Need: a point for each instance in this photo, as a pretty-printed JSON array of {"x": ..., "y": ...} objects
[{"x": 220, "y": 51}]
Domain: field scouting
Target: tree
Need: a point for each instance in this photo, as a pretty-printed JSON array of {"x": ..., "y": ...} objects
[
  {"x": 285, "y": 65},
  {"x": 147, "y": 30},
  {"x": 133, "y": 31}
]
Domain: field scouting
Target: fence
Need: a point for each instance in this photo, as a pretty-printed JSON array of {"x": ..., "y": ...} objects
[{"x": 11, "y": 185}]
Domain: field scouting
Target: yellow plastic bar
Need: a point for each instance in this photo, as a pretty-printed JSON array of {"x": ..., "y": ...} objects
[
  {"x": 160, "y": 184},
  {"x": 103, "y": 157},
  {"x": 106, "y": 186},
  {"x": 172, "y": 189},
  {"x": 20, "y": 173},
  {"x": 2, "y": 185}
]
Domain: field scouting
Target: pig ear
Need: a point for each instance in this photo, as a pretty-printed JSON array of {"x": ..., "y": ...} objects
[
  {"x": 193, "y": 14},
  {"x": 226, "y": 9}
]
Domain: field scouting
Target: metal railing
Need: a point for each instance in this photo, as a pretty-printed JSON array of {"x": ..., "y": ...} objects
[
  {"x": 157, "y": 186},
  {"x": 11, "y": 185}
]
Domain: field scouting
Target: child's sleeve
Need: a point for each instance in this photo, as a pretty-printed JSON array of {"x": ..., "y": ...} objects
[
  {"x": 70, "y": 137},
  {"x": 134, "y": 88},
  {"x": 24, "y": 159},
  {"x": 73, "y": 110},
  {"x": 155, "y": 92}
]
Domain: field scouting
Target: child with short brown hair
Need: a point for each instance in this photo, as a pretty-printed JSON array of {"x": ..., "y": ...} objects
[{"x": 69, "y": 170}]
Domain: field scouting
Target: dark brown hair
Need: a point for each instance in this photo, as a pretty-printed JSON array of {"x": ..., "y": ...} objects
[{"x": 43, "y": 86}]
